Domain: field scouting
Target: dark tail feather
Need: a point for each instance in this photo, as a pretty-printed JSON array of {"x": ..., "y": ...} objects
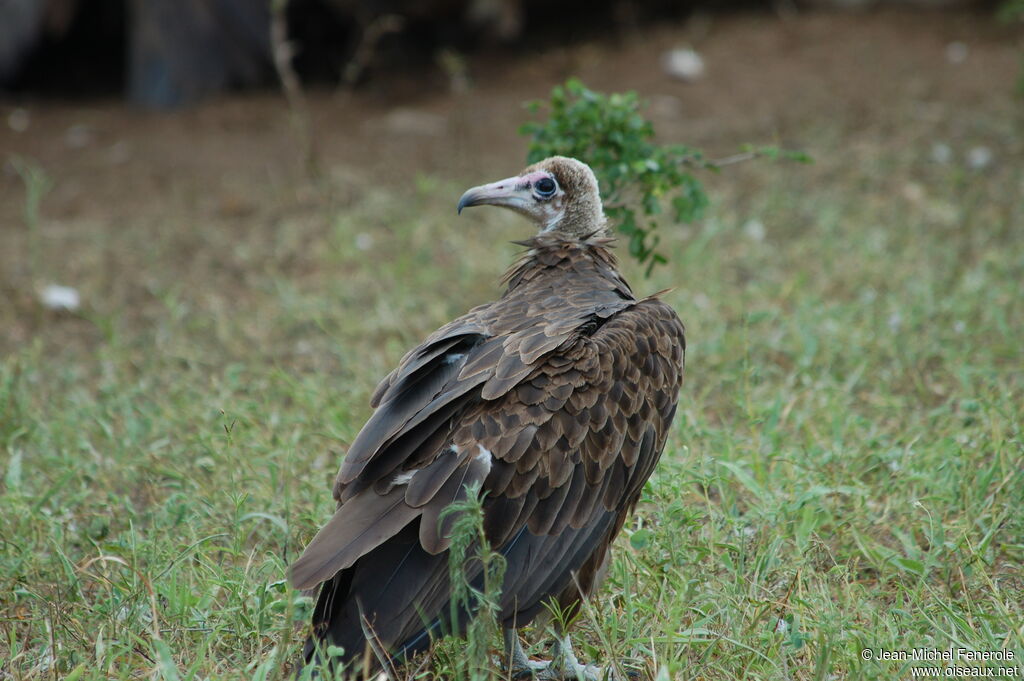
[
  {"x": 404, "y": 592},
  {"x": 398, "y": 586}
]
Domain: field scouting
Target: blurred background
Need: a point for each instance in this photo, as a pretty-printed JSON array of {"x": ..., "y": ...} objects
[
  {"x": 222, "y": 221},
  {"x": 186, "y": 120},
  {"x": 164, "y": 54}
]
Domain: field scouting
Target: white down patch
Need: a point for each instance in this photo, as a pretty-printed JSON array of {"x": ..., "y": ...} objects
[
  {"x": 405, "y": 477},
  {"x": 454, "y": 357},
  {"x": 485, "y": 457}
]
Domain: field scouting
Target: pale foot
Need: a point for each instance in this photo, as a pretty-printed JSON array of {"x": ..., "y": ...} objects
[{"x": 563, "y": 666}]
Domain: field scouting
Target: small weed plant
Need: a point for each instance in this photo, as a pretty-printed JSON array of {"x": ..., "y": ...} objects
[{"x": 471, "y": 554}]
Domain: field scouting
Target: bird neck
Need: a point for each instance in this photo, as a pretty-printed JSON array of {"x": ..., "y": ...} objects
[
  {"x": 581, "y": 220},
  {"x": 556, "y": 255}
]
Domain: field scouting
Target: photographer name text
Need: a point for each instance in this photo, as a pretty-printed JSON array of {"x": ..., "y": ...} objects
[{"x": 935, "y": 654}]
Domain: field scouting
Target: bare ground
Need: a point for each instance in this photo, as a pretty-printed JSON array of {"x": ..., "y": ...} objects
[{"x": 844, "y": 87}]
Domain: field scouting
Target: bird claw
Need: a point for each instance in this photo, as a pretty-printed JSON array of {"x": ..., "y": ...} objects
[
  {"x": 548, "y": 671},
  {"x": 563, "y": 667}
]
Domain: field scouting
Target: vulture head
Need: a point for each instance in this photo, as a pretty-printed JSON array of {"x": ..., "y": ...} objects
[{"x": 558, "y": 194}]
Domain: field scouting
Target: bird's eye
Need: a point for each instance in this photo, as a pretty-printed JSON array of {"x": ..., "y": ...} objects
[{"x": 546, "y": 187}]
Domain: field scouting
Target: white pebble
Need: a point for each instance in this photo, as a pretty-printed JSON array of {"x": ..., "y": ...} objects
[
  {"x": 754, "y": 229},
  {"x": 56, "y": 297},
  {"x": 979, "y": 158},
  {"x": 683, "y": 64}
]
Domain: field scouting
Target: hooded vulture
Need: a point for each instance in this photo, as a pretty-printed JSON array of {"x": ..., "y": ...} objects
[{"x": 553, "y": 402}]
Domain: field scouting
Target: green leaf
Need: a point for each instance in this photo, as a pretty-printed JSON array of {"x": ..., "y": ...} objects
[
  {"x": 641, "y": 539},
  {"x": 12, "y": 478},
  {"x": 75, "y": 673},
  {"x": 909, "y": 565},
  {"x": 165, "y": 661}
]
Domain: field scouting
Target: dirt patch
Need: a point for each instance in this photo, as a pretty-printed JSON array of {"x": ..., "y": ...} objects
[
  {"x": 873, "y": 80},
  {"x": 768, "y": 78}
]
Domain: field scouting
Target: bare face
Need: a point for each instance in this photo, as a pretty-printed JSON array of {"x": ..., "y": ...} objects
[
  {"x": 535, "y": 195},
  {"x": 559, "y": 195}
]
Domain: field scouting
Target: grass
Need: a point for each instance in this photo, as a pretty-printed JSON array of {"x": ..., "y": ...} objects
[{"x": 845, "y": 471}]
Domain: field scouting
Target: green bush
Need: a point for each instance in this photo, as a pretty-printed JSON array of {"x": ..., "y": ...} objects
[
  {"x": 609, "y": 133},
  {"x": 1011, "y": 11}
]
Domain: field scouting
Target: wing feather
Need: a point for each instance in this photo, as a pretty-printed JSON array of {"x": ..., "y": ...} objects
[
  {"x": 356, "y": 528},
  {"x": 577, "y": 487},
  {"x": 435, "y": 532},
  {"x": 427, "y": 481}
]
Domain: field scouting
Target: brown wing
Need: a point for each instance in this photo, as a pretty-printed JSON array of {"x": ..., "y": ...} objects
[
  {"x": 599, "y": 423},
  {"x": 565, "y": 446},
  {"x": 407, "y": 444}
]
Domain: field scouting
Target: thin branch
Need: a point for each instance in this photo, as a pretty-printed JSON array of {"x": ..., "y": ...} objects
[
  {"x": 735, "y": 158},
  {"x": 372, "y": 34},
  {"x": 283, "y": 51}
]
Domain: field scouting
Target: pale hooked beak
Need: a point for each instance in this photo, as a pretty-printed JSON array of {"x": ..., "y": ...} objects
[{"x": 513, "y": 192}]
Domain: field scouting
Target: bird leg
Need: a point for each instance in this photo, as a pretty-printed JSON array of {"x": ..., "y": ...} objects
[
  {"x": 520, "y": 666},
  {"x": 563, "y": 665}
]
